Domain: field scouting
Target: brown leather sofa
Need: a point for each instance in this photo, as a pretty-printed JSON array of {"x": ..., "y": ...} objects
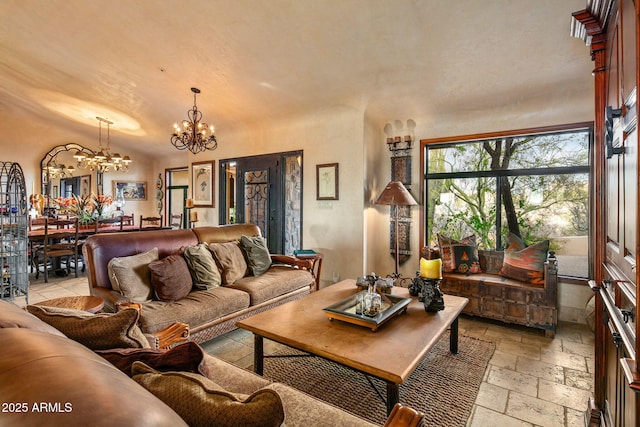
[
  {"x": 208, "y": 313},
  {"x": 48, "y": 379}
]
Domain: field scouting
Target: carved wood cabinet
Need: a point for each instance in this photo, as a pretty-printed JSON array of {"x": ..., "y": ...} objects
[{"x": 610, "y": 28}]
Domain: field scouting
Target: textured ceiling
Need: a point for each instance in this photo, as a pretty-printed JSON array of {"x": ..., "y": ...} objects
[{"x": 68, "y": 61}]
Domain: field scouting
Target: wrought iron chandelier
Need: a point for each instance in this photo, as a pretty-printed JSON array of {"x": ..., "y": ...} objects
[
  {"x": 193, "y": 133},
  {"x": 103, "y": 160}
]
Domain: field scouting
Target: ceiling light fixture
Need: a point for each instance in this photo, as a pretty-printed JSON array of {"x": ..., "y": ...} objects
[
  {"x": 193, "y": 134},
  {"x": 103, "y": 160}
]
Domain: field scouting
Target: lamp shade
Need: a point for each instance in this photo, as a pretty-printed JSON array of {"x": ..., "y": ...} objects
[{"x": 396, "y": 194}]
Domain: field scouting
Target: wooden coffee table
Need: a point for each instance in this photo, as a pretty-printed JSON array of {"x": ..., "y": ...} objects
[{"x": 391, "y": 353}]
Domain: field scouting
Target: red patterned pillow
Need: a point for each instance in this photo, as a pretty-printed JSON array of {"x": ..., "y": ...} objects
[
  {"x": 524, "y": 263},
  {"x": 459, "y": 256}
]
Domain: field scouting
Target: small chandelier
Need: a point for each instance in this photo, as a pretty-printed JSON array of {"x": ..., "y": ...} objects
[
  {"x": 103, "y": 160},
  {"x": 59, "y": 171},
  {"x": 193, "y": 134}
]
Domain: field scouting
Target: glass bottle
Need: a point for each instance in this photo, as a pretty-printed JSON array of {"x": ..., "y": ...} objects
[{"x": 372, "y": 301}]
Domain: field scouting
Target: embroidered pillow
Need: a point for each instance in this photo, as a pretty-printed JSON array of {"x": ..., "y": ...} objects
[
  {"x": 459, "y": 256},
  {"x": 524, "y": 263}
]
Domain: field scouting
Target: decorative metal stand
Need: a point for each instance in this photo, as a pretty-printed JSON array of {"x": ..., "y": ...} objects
[
  {"x": 13, "y": 233},
  {"x": 428, "y": 292}
]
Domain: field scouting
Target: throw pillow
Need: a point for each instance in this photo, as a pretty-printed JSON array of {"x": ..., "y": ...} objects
[
  {"x": 524, "y": 263},
  {"x": 230, "y": 260},
  {"x": 459, "y": 256},
  {"x": 187, "y": 356},
  {"x": 95, "y": 331},
  {"x": 170, "y": 278},
  {"x": 201, "y": 402},
  {"x": 258, "y": 257},
  {"x": 131, "y": 277},
  {"x": 203, "y": 269}
]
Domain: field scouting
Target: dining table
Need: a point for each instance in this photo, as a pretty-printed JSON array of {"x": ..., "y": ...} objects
[{"x": 88, "y": 230}]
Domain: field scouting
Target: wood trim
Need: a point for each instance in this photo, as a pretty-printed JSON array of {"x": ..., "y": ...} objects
[{"x": 501, "y": 134}]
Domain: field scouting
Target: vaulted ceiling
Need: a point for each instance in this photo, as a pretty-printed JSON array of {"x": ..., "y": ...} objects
[{"x": 65, "y": 62}]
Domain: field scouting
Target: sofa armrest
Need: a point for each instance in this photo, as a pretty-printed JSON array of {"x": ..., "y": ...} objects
[
  {"x": 307, "y": 264},
  {"x": 112, "y": 299},
  {"x": 312, "y": 264},
  {"x": 173, "y": 334},
  {"x": 403, "y": 416}
]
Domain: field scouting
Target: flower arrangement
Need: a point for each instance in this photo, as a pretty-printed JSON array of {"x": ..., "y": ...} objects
[
  {"x": 87, "y": 208},
  {"x": 101, "y": 203}
]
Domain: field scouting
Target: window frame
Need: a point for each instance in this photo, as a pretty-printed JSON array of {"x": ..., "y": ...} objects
[{"x": 425, "y": 144}]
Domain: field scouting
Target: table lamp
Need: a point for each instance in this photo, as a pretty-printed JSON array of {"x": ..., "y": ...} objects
[{"x": 396, "y": 194}]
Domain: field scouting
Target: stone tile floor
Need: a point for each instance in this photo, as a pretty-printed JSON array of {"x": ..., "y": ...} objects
[{"x": 530, "y": 381}]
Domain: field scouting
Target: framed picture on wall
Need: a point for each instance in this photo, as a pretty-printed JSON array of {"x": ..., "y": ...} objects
[
  {"x": 131, "y": 190},
  {"x": 202, "y": 182},
  {"x": 327, "y": 181},
  {"x": 85, "y": 185}
]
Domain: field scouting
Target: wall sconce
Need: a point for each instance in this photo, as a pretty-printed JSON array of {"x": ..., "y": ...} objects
[{"x": 399, "y": 143}]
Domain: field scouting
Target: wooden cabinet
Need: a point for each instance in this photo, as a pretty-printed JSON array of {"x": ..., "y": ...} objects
[{"x": 611, "y": 29}]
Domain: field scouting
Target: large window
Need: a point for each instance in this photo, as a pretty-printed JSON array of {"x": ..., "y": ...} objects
[{"x": 534, "y": 183}]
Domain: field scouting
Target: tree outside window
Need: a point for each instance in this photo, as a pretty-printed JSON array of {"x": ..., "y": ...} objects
[{"x": 535, "y": 186}]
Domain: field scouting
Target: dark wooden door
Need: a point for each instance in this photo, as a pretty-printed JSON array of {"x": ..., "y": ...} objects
[
  {"x": 267, "y": 192},
  {"x": 612, "y": 28}
]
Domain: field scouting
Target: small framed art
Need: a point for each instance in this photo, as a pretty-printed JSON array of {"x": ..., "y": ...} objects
[
  {"x": 202, "y": 181},
  {"x": 327, "y": 184}
]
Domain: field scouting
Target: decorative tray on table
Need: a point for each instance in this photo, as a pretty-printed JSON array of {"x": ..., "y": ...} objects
[{"x": 345, "y": 310}]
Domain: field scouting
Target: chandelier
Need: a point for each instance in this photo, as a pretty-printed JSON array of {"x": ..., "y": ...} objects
[
  {"x": 103, "y": 160},
  {"x": 59, "y": 171},
  {"x": 193, "y": 134}
]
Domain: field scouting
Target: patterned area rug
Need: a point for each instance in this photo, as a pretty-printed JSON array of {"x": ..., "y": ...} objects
[{"x": 443, "y": 387}]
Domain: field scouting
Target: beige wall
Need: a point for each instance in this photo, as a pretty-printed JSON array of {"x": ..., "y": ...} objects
[
  {"x": 352, "y": 232},
  {"x": 27, "y": 142}
]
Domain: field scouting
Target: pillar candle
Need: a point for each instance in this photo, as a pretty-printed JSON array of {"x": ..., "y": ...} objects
[
  {"x": 193, "y": 216},
  {"x": 431, "y": 268}
]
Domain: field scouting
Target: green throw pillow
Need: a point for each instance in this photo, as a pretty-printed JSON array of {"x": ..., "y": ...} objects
[
  {"x": 203, "y": 268},
  {"x": 201, "y": 402},
  {"x": 258, "y": 257}
]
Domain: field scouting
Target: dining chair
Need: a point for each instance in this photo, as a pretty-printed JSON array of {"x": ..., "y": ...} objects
[
  {"x": 150, "y": 222},
  {"x": 35, "y": 244},
  {"x": 128, "y": 220},
  {"x": 60, "y": 242},
  {"x": 176, "y": 221},
  {"x": 109, "y": 225}
]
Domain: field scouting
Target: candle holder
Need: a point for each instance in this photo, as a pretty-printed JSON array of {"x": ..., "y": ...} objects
[{"x": 428, "y": 292}]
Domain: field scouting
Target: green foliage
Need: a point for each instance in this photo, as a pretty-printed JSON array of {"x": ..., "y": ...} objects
[{"x": 543, "y": 205}]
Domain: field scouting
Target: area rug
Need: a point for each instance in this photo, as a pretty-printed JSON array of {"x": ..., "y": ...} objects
[{"x": 443, "y": 387}]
